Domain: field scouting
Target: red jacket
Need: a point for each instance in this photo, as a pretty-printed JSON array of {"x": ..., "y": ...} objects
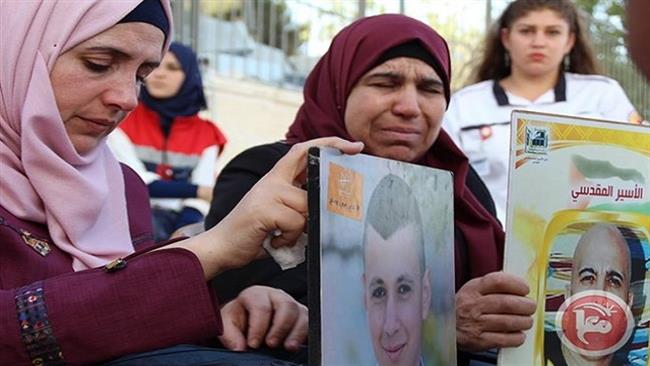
[
  {"x": 51, "y": 313},
  {"x": 188, "y": 136}
]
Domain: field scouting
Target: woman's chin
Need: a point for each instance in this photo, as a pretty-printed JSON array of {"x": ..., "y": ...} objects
[{"x": 397, "y": 152}]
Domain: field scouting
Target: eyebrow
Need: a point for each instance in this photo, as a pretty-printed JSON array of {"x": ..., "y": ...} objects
[
  {"x": 118, "y": 53},
  {"x": 588, "y": 270},
  {"x": 405, "y": 278},
  {"x": 427, "y": 81},
  {"x": 615, "y": 273},
  {"x": 527, "y": 25},
  {"x": 376, "y": 281},
  {"x": 384, "y": 74}
]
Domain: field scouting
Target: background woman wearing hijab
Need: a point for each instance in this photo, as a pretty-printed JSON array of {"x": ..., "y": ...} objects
[
  {"x": 385, "y": 82},
  {"x": 80, "y": 278},
  {"x": 537, "y": 57},
  {"x": 175, "y": 150}
]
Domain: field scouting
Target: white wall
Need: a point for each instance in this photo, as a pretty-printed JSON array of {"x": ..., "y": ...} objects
[{"x": 249, "y": 113}]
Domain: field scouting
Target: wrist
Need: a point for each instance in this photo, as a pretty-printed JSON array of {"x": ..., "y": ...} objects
[{"x": 211, "y": 249}]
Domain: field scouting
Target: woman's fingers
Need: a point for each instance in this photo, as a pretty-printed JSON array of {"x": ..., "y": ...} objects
[
  {"x": 502, "y": 283},
  {"x": 294, "y": 162},
  {"x": 269, "y": 315},
  {"x": 298, "y": 335},
  {"x": 233, "y": 317},
  {"x": 493, "y": 311},
  {"x": 505, "y": 323},
  {"x": 284, "y": 318},
  {"x": 259, "y": 310},
  {"x": 507, "y": 304}
]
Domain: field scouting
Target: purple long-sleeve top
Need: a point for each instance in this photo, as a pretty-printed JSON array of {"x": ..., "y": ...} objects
[{"x": 50, "y": 314}]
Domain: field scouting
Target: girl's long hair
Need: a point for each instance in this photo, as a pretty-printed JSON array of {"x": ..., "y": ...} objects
[{"x": 493, "y": 64}]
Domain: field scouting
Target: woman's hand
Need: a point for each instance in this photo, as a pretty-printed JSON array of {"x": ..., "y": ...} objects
[
  {"x": 493, "y": 311},
  {"x": 263, "y": 315},
  {"x": 276, "y": 204}
]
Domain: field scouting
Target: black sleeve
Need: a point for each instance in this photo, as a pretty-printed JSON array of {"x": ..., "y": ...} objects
[{"x": 234, "y": 181}]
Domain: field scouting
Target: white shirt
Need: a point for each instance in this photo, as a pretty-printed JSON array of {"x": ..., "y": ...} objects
[{"x": 478, "y": 120}]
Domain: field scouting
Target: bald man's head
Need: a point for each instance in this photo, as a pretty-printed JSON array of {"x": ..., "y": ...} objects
[{"x": 601, "y": 261}]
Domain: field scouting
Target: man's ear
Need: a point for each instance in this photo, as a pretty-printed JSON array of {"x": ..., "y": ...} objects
[
  {"x": 426, "y": 293},
  {"x": 630, "y": 298}
]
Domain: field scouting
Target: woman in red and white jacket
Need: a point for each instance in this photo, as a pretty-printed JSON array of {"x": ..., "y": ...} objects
[{"x": 173, "y": 149}]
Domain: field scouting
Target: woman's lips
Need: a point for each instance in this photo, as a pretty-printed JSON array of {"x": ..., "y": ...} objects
[
  {"x": 98, "y": 126},
  {"x": 537, "y": 56},
  {"x": 401, "y": 134}
]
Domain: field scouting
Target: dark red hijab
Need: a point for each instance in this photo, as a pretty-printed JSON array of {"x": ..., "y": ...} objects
[{"x": 353, "y": 52}]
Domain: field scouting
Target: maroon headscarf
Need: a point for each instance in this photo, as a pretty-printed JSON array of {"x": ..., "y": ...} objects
[{"x": 353, "y": 52}]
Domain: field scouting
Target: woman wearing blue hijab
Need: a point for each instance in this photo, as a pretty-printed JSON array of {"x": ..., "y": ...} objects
[{"x": 171, "y": 147}]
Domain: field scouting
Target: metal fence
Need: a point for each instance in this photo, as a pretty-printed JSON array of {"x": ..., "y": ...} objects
[{"x": 278, "y": 41}]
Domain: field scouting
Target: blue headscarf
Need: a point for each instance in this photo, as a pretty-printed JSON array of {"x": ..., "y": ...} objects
[{"x": 190, "y": 98}]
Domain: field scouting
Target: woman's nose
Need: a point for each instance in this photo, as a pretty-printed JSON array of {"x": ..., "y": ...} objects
[
  {"x": 122, "y": 95},
  {"x": 539, "y": 39},
  {"x": 406, "y": 102}
]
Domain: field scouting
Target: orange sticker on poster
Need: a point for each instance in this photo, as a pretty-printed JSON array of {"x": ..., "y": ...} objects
[{"x": 345, "y": 192}]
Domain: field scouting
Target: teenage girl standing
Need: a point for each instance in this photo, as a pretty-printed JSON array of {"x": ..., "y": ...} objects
[{"x": 536, "y": 58}]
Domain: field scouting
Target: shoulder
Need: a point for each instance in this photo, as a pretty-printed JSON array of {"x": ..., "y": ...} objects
[
  {"x": 590, "y": 79},
  {"x": 603, "y": 96},
  {"x": 201, "y": 121},
  {"x": 11, "y": 224},
  {"x": 198, "y": 123},
  {"x": 478, "y": 90},
  {"x": 463, "y": 108},
  {"x": 204, "y": 127}
]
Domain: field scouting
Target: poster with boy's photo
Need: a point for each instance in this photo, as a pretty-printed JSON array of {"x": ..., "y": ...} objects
[
  {"x": 578, "y": 226},
  {"x": 380, "y": 260}
]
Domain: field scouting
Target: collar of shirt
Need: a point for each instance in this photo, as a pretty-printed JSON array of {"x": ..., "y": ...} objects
[{"x": 557, "y": 94}]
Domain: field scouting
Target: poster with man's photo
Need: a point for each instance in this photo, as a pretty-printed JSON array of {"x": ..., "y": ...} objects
[
  {"x": 380, "y": 262},
  {"x": 578, "y": 225}
]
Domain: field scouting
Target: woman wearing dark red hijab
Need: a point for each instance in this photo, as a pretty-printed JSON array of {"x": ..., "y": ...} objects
[{"x": 385, "y": 81}]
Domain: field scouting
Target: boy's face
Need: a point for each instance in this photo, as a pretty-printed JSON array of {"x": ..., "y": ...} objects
[{"x": 397, "y": 296}]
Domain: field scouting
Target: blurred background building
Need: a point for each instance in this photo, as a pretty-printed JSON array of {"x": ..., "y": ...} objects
[{"x": 256, "y": 54}]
